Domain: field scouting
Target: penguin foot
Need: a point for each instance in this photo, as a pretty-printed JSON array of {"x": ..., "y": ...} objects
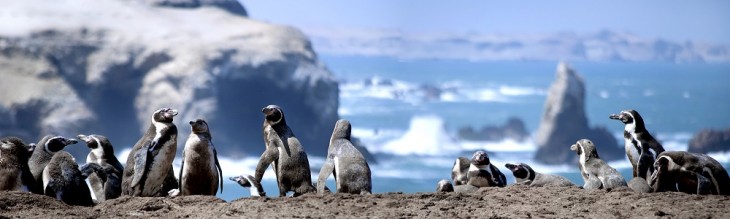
[{"x": 173, "y": 193}]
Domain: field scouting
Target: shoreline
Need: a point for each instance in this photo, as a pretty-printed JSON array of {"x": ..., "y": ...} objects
[{"x": 514, "y": 201}]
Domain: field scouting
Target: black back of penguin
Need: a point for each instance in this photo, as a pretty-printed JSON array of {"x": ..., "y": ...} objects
[
  {"x": 63, "y": 180},
  {"x": 149, "y": 164}
]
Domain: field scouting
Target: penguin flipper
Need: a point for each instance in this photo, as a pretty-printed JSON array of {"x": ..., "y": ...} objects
[
  {"x": 269, "y": 156},
  {"x": 140, "y": 164},
  {"x": 327, "y": 168},
  {"x": 179, "y": 175},
  {"x": 218, "y": 165},
  {"x": 704, "y": 185}
]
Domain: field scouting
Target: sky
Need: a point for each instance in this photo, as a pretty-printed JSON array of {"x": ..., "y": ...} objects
[{"x": 703, "y": 21}]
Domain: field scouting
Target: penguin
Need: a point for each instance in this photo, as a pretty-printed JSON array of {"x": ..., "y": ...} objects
[
  {"x": 14, "y": 172},
  {"x": 49, "y": 146},
  {"x": 200, "y": 172},
  {"x": 248, "y": 181},
  {"x": 63, "y": 180},
  {"x": 689, "y": 173},
  {"x": 444, "y": 186},
  {"x": 483, "y": 174},
  {"x": 525, "y": 175},
  {"x": 149, "y": 170},
  {"x": 460, "y": 170},
  {"x": 595, "y": 172},
  {"x": 640, "y": 185},
  {"x": 287, "y": 155},
  {"x": 351, "y": 170},
  {"x": 107, "y": 184},
  {"x": 640, "y": 146}
]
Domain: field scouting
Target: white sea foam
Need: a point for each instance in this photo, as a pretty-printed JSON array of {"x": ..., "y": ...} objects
[
  {"x": 425, "y": 136},
  {"x": 450, "y": 91},
  {"x": 520, "y": 91}
]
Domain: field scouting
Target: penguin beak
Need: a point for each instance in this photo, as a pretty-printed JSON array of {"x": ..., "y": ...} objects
[
  {"x": 71, "y": 141},
  {"x": 191, "y": 122},
  {"x": 614, "y": 116},
  {"x": 83, "y": 138},
  {"x": 574, "y": 147},
  {"x": 267, "y": 111}
]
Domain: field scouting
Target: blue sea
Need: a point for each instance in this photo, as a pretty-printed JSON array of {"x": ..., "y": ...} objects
[{"x": 412, "y": 130}]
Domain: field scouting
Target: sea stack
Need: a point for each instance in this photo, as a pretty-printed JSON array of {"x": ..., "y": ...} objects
[{"x": 564, "y": 121}]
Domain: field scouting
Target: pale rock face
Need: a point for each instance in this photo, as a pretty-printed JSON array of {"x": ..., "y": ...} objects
[
  {"x": 564, "y": 121},
  {"x": 103, "y": 67}
]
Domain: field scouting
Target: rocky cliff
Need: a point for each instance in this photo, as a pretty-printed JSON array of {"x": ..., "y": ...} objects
[
  {"x": 707, "y": 141},
  {"x": 564, "y": 122},
  {"x": 103, "y": 67}
]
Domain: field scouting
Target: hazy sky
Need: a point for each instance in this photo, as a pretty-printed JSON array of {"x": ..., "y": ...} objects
[{"x": 705, "y": 21}]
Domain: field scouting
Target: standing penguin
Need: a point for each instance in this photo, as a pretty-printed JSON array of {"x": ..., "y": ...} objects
[
  {"x": 149, "y": 170},
  {"x": 596, "y": 173},
  {"x": 482, "y": 173},
  {"x": 641, "y": 148},
  {"x": 107, "y": 183},
  {"x": 63, "y": 180},
  {"x": 200, "y": 173},
  {"x": 14, "y": 172},
  {"x": 351, "y": 170},
  {"x": 287, "y": 155},
  {"x": 49, "y": 146}
]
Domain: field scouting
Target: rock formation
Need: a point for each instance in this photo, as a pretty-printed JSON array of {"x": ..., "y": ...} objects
[
  {"x": 707, "y": 141},
  {"x": 564, "y": 122},
  {"x": 513, "y": 129},
  {"x": 103, "y": 67}
]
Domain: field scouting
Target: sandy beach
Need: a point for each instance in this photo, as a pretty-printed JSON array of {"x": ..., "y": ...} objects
[{"x": 509, "y": 202}]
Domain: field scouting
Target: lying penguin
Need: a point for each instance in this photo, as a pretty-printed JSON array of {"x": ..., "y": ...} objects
[
  {"x": 689, "y": 173},
  {"x": 525, "y": 175},
  {"x": 248, "y": 181}
]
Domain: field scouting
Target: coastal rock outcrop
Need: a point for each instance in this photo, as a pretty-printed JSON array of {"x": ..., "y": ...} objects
[
  {"x": 103, "y": 67},
  {"x": 513, "y": 129},
  {"x": 564, "y": 121},
  {"x": 708, "y": 140}
]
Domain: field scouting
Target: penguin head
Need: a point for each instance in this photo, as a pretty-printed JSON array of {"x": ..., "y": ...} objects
[
  {"x": 98, "y": 144},
  {"x": 521, "y": 170},
  {"x": 199, "y": 126},
  {"x": 273, "y": 114},
  {"x": 627, "y": 117},
  {"x": 585, "y": 146},
  {"x": 444, "y": 186},
  {"x": 164, "y": 115},
  {"x": 480, "y": 158},
  {"x": 13, "y": 146},
  {"x": 57, "y": 143},
  {"x": 343, "y": 129}
]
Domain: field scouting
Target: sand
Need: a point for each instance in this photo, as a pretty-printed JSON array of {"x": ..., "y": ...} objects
[{"x": 509, "y": 202}]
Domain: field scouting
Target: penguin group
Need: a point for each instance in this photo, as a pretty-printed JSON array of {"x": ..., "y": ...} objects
[
  {"x": 44, "y": 168},
  {"x": 653, "y": 168}
]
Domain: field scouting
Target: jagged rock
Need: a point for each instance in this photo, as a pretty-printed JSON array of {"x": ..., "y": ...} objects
[
  {"x": 66, "y": 72},
  {"x": 514, "y": 129},
  {"x": 232, "y": 6},
  {"x": 564, "y": 122},
  {"x": 707, "y": 141}
]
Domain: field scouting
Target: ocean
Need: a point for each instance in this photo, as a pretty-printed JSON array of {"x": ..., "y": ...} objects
[{"x": 407, "y": 112}]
